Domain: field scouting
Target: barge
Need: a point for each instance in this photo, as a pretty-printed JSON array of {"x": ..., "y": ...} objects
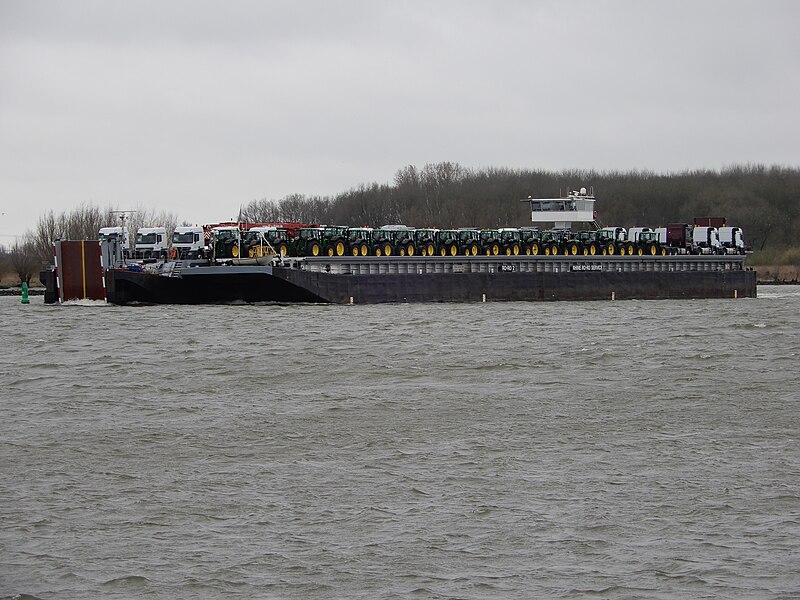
[
  {"x": 650, "y": 267},
  {"x": 370, "y": 280}
]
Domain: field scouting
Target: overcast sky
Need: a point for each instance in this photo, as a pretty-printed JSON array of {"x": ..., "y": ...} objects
[{"x": 199, "y": 106}]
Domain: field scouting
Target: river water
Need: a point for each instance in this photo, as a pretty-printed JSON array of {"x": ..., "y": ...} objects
[{"x": 634, "y": 449}]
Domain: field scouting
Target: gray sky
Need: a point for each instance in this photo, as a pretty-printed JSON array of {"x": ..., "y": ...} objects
[{"x": 198, "y": 106}]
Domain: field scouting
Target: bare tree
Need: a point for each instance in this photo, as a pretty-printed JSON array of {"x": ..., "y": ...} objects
[{"x": 24, "y": 260}]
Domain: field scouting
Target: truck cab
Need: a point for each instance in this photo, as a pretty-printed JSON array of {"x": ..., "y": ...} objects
[
  {"x": 188, "y": 242},
  {"x": 151, "y": 242},
  {"x": 732, "y": 240},
  {"x": 705, "y": 240}
]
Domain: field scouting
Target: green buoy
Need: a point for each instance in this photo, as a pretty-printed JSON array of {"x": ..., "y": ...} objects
[{"x": 25, "y": 299}]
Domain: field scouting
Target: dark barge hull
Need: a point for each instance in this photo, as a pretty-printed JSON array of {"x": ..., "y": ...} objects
[{"x": 370, "y": 280}]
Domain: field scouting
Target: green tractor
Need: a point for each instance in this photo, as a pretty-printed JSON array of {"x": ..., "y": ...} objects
[
  {"x": 226, "y": 242},
  {"x": 531, "y": 239},
  {"x": 308, "y": 242},
  {"x": 550, "y": 244},
  {"x": 334, "y": 240},
  {"x": 359, "y": 241},
  {"x": 260, "y": 241},
  {"x": 510, "y": 241},
  {"x": 489, "y": 242},
  {"x": 649, "y": 244},
  {"x": 425, "y": 241}
]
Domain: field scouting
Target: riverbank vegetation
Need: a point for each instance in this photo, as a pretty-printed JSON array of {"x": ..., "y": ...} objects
[{"x": 764, "y": 201}]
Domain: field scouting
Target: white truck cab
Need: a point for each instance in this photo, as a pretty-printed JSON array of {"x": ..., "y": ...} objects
[
  {"x": 705, "y": 240},
  {"x": 151, "y": 242},
  {"x": 732, "y": 240},
  {"x": 188, "y": 242}
]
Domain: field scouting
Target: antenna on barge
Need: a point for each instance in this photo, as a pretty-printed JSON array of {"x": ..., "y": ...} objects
[{"x": 577, "y": 207}]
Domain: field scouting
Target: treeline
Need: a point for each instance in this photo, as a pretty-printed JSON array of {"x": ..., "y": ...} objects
[{"x": 765, "y": 201}]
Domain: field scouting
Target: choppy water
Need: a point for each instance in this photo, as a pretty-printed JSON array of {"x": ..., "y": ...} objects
[{"x": 523, "y": 450}]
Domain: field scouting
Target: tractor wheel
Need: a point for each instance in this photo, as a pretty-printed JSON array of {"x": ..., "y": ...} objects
[
  {"x": 364, "y": 249},
  {"x": 354, "y": 250},
  {"x": 387, "y": 249},
  {"x": 495, "y": 249},
  {"x": 639, "y": 251},
  {"x": 653, "y": 250},
  {"x": 401, "y": 251},
  {"x": 631, "y": 249},
  {"x": 235, "y": 251},
  {"x": 573, "y": 249},
  {"x": 535, "y": 249},
  {"x": 515, "y": 249},
  {"x": 378, "y": 251},
  {"x": 410, "y": 250},
  {"x": 339, "y": 248},
  {"x": 610, "y": 250},
  {"x": 283, "y": 249},
  {"x": 453, "y": 249},
  {"x": 431, "y": 250},
  {"x": 330, "y": 251}
]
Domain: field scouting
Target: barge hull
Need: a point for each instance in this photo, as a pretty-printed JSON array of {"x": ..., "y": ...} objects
[{"x": 380, "y": 280}]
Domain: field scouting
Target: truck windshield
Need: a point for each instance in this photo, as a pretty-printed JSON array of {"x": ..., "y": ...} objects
[
  {"x": 146, "y": 238},
  {"x": 182, "y": 238}
]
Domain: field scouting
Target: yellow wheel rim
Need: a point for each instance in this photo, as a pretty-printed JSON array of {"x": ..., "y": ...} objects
[{"x": 535, "y": 249}]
